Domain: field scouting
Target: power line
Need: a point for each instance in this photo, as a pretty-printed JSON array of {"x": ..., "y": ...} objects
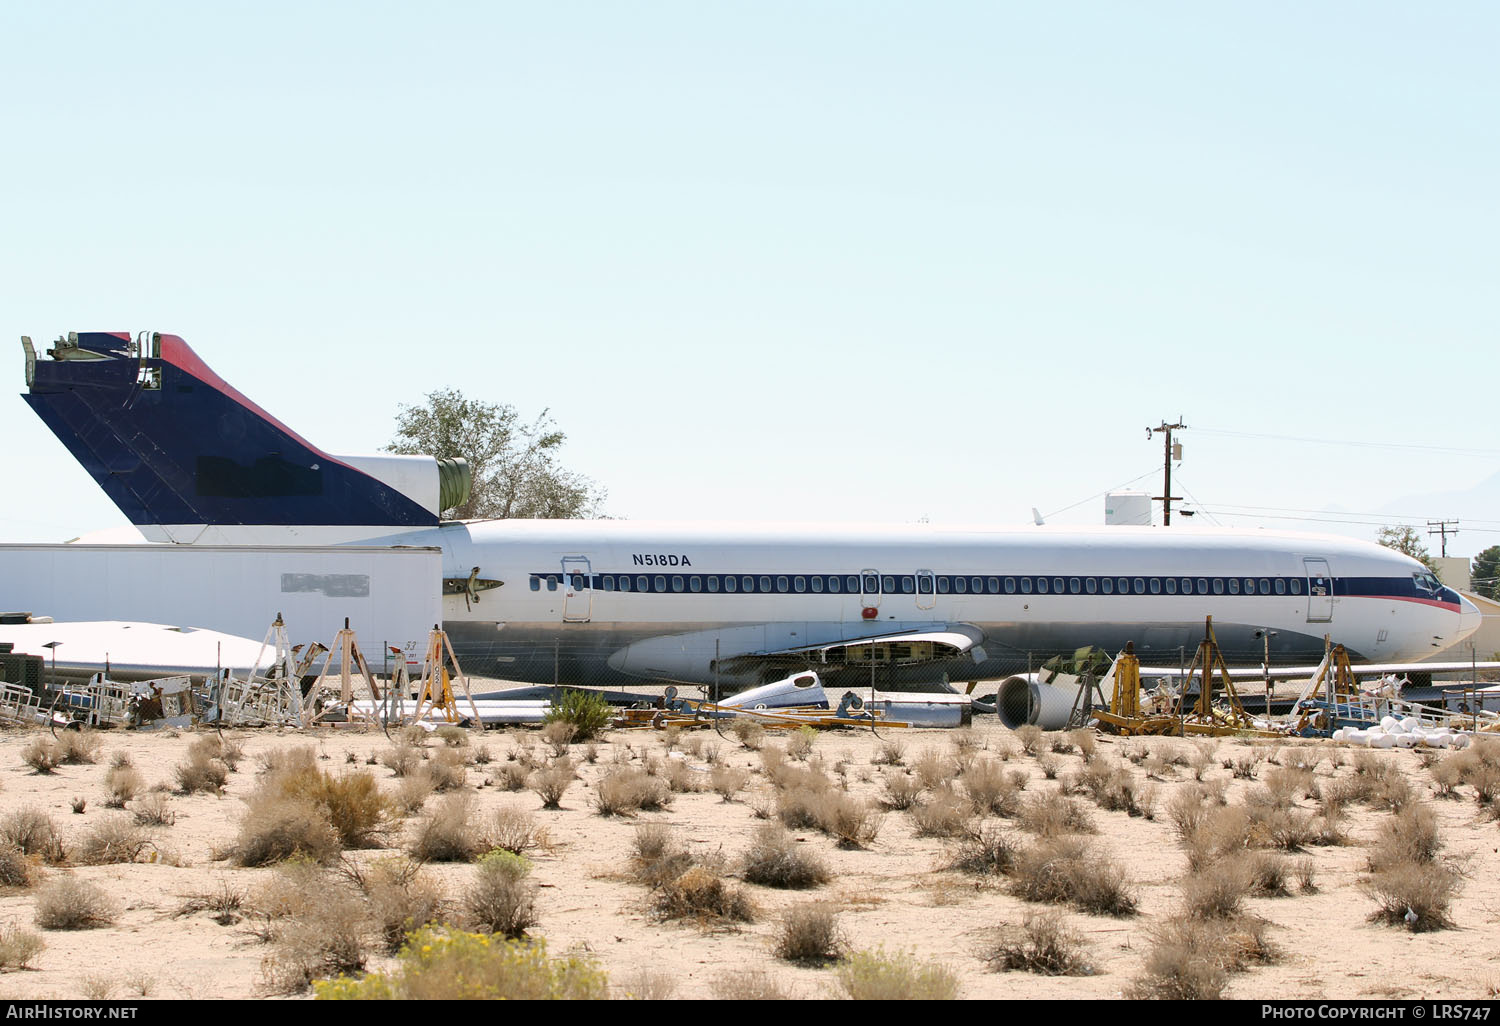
[
  {"x": 1098, "y": 495},
  {"x": 1451, "y": 450}
]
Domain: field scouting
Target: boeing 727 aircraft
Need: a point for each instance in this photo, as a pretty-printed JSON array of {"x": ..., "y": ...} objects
[{"x": 191, "y": 460}]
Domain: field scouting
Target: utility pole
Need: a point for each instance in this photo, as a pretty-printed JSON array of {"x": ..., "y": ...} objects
[
  {"x": 1444, "y": 528},
  {"x": 1170, "y": 452}
]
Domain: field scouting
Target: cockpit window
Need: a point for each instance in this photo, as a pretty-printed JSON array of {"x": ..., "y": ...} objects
[{"x": 1426, "y": 582}]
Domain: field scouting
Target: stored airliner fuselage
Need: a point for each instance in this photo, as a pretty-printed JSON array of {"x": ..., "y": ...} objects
[
  {"x": 189, "y": 459},
  {"x": 615, "y": 600}
]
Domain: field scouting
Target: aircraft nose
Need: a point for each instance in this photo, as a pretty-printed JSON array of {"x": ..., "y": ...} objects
[{"x": 1468, "y": 618}]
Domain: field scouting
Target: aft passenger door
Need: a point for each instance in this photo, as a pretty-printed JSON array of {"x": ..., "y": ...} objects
[
  {"x": 578, "y": 595},
  {"x": 1319, "y": 591},
  {"x": 869, "y": 591}
]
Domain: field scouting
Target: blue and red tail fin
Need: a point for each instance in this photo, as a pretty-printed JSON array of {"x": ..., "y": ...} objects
[{"x": 171, "y": 442}]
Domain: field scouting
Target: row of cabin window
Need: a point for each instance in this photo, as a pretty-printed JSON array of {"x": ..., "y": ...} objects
[{"x": 923, "y": 584}]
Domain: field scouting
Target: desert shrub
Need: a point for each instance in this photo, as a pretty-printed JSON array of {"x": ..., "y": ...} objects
[
  {"x": 552, "y": 783},
  {"x": 124, "y": 783},
  {"x": 1447, "y": 774},
  {"x": 749, "y": 733},
  {"x": 900, "y": 790},
  {"x": 682, "y": 778},
  {"x": 647, "y": 985},
  {"x": 446, "y": 771},
  {"x": 810, "y": 934},
  {"x": 985, "y": 852},
  {"x": 154, "y": 810},
  {"x": 1410, "y": 835},
  {"x": 1288, "y": 784},
  {"x": 78, "y": 746},
  {"x": 798, "y": 807},
  {"x": 1268, "y": 874},
  {"x": 1246, "y": 765},
  {"x": 1042, "y": 944},
  {"x": 932, "y": 769},
  {"x": 452, "y": 735},
  {"x": 992, "y": 789},
  {"x": 32, "y": 832},
  {"x": 1058, "y": 741},
  {"x": 402, "y": 898},
  {"x": 559, "y": 735},
  {"x": 1414, "y": 895},
  {"x": 1218, "y": 890},
  {"x": 42, "y": 755},
  {"x": 412, "y": 793},
  {"x": 449, "y": 965},
  {"x": 328, "y": 941},
  {"x": 586, "y": 711},
  {"x": 112, "y": 840},
  {"x": 1115, "y": 789},
  {"x": 401, "y": 759},
  {"x": 1051, "y": 814},
  {"x": 629, "y": 790},
  {"x": 273, "y": 829},
  {"x": 890, "y": 753},
  {"x": 1212, "y": 833},
  {"x": 1049, "y": 764},
  {"x": 511, "y": 829},
  {"x": 69, "y": 903},
  {"x": 1184, "y": 964},
  {"x": 655, "y": 854},
  {"x": 18, "y": 946},
  {"x": 851, "y": 822},
  {"x": 1086, "y": 741},
  {"x": 1306, "y": 882},
  {"x": 775, "y": 859},
  {"x": 355, "y": 806},
  {"x": 799, "y": 743},
  {"x": 17, "y": 869},
  {"x": 728, "y": 781},
  {"x": 511, "y": 776},
  {"x": 501, "y": 898},
  {"x": 201, "y": 772},
  {"x": 1199, "y": 758},
  {"x": 946, "y": 815},
  {"x": 878, "y": 976},
  {"x": 700, "y": 893},
  {"x": 752, "y": 986},
  {"x": 1394, "y": 791},
  {"x": 448, "y": 833},
  {"x": 225, "y": 901},
  {"x": 1064, "y": 870}
]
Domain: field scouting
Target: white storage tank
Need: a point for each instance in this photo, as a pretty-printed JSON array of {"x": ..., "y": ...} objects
[{"x": 1128, "y": 508}]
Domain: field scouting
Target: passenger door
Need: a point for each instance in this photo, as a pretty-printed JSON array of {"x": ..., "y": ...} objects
[
  {"x": 1319, "y": 591},
  {"x": 578, "y": 593}
]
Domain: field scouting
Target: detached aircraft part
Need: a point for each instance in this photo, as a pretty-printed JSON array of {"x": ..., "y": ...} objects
[{"x": 1025, "y": 701}]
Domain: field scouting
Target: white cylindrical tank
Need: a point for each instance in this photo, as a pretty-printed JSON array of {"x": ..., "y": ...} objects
[
  {"x": 1128, "y": 508},
  {"x": 1023, "y": 700}
]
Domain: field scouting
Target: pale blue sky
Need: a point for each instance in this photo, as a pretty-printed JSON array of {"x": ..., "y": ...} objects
[{"x": 788, "y": 261}]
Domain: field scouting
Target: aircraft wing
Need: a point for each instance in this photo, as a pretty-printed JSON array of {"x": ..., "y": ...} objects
[{"x": 903, "y": 647}]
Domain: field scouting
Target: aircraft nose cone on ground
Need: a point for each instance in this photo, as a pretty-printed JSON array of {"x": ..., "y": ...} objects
[{"x": 1468, "y": 618}]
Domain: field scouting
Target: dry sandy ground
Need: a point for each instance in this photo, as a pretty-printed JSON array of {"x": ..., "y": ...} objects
[{"x": 895, "y": 893}]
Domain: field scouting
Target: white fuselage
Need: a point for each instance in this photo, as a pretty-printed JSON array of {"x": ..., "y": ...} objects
[{"x": 621, "y": 600}]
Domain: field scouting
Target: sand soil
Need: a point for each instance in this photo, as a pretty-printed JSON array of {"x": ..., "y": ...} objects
[{"x": 897, "y": 891}]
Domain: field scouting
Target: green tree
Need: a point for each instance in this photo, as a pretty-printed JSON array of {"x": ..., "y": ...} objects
[
  {"x": 513, "y": 463},
  {"x": 1406, "y": 540},
  {"x": 1485, "y": 572}
]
